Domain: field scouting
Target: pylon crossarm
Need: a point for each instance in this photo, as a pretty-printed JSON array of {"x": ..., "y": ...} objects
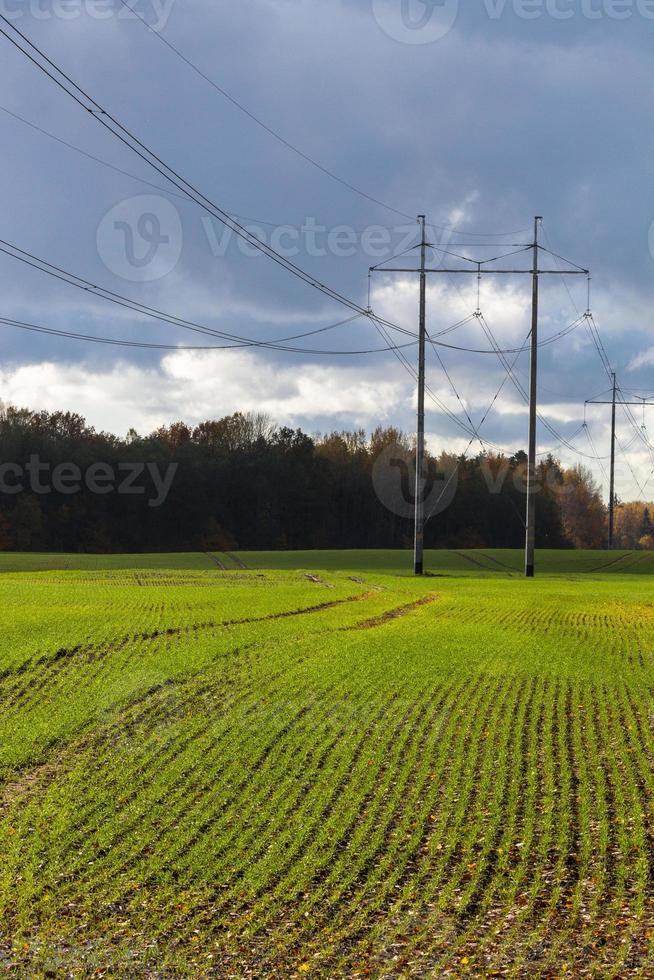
[
  {"x": 479, "y": 268},
  {"x": 490, "y": 272}
]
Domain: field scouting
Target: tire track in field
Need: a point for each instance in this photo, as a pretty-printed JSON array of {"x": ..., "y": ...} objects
[
  {"x": 47, "y": 668},
  {"x": 392, "y": 614},
  {"x": 216, "y": 560},
  {"x": 471, "y": 560},
  {"x": 237, "y": 561},
  {"x": 603, "y": 566},
  {"x": 500, "y": 564},
  {"x": 167, "y": 701},
  {"x": 415, "y": 878},
  {"x": 139, "y": 702},
  {"x": 99, "y": 740}
]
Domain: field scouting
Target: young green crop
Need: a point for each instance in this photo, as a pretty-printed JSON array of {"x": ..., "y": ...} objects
[{"x": 328, "y": 772}]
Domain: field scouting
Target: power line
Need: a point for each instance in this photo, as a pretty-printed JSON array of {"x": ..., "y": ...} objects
[
  {"x": 639, "y": 431},
  {"x": 132, "y": 176},
  {"x": 476, "y": 435},
  {"x": 596, "y": 339},
  {"x": 591, "y": 325},
  {"x": 594, "y": 449},
  {"x": 148, "y": 183},
  {"x": 599, "y": 345},
  {"x": 112, "y": 125},
  {"x": 454, "y": 389},
  {"x": 85, "y": 101},
  {"x": 628, "y": 462},
  {"x": 407, "y": 366},
  {"x": 71, "y": 279},
  {"x": 121, "y": 342},
  {"x": 559, "y": 335},
  {"x": 524, "y": 395},
  {"x": 550, "y": 340},
  {"x": 536, "y": 272},
  {"x": 554, "y": 449},
  {"x": 188, "y": 189},
  {"x": 287, "y": 143},
  {"x": 259, "y": 122}
]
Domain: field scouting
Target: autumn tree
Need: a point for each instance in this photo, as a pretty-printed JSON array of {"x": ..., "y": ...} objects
[
  {"x": 582, "y": 508},
  {"x": 633, "y": 525},
  {"x": 242, "y": 480}
]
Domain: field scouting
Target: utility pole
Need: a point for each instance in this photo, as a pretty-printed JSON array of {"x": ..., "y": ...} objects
[
  {"x": 612, "y": 479},
  {"x": 479, "y": 268},
  {"x": 641, "y": 403},
  {"x": 530, "y": 525},
  {"x": 418, "y": 548}
]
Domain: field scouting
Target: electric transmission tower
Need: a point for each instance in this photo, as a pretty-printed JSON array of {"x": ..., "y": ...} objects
[
  {"x": 479, "y": 269},
  {"x": 640, "y": 403}
]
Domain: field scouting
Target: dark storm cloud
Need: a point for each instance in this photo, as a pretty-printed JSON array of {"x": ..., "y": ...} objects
[{"x": 517, "y": 108}]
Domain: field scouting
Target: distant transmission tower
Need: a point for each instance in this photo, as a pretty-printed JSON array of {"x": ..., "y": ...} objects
[{"x": 535, "y": 272}]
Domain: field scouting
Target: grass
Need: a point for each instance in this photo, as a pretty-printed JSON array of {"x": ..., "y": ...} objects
[
  {"x": 471, "y": 562},
  {"x": 327, "y": 769}
]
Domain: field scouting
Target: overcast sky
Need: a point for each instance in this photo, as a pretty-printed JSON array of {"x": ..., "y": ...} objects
[{"x": 480, "y": 117}]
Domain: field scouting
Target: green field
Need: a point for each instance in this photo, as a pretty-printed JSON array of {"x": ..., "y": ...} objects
[
  {"x": 476, "y": 562},
  {"x": 318, "y": 766}
]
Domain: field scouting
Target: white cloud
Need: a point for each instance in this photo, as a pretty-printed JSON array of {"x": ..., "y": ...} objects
[
  {"x": 644, "y": 359},
  {"x": 194, "y": 386}
]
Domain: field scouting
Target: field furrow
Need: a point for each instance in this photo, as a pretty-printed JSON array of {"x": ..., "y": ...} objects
[{"x": 228, "y": 772}]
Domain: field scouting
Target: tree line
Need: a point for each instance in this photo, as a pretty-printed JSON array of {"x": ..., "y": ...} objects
[{"x": 243, "y": 482}]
